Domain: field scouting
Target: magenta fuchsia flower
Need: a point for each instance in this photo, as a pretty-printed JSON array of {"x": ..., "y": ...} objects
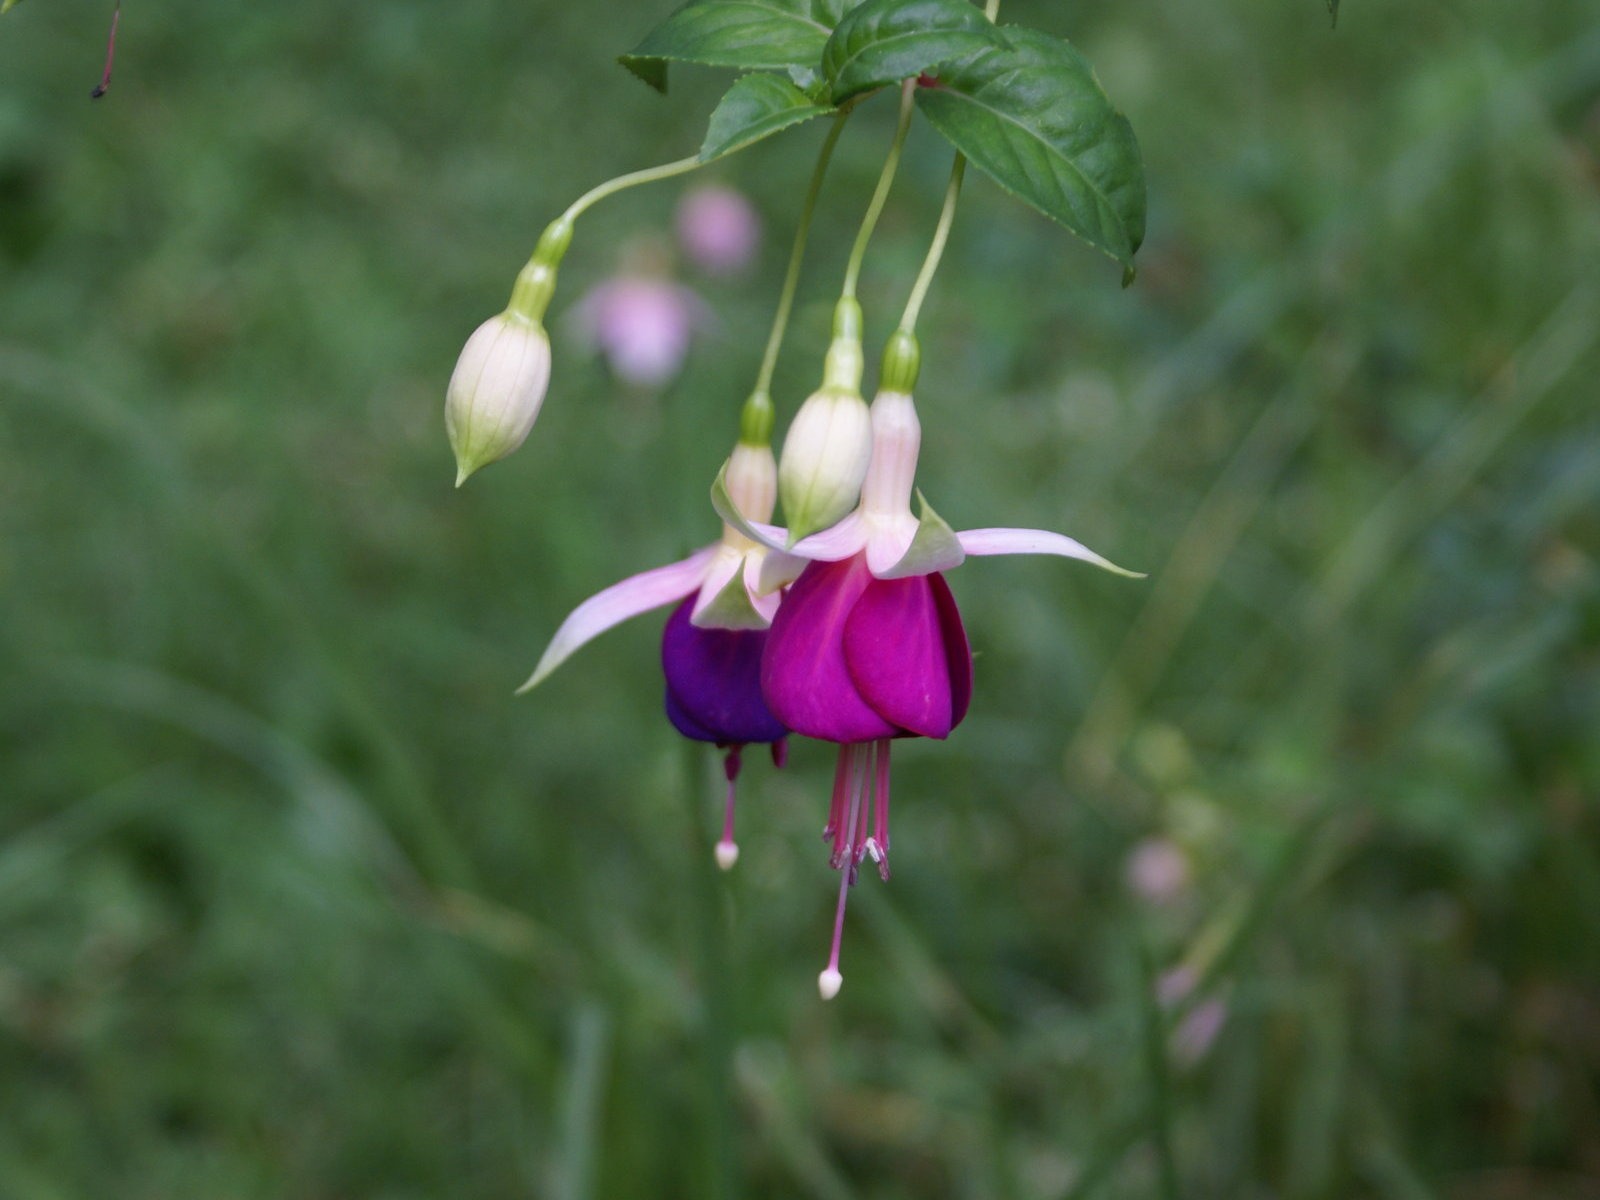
[
  {"x": 868, "y": 644},
  {"x": 712, "y": 646}
]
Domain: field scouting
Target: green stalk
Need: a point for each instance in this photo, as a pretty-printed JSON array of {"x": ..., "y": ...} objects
[
  {"x": 791, "y": 279},
  {"x": 941, "y": 236},
  {"x": 879, "y": 196},
  {"x": 633, "y": 179}
]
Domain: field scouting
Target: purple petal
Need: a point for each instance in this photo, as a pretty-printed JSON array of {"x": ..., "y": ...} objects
[
  {"x": 894, "y": 645},
  {"x": 958, "y": 655},
  {"x": 634, "y": 595},
  {"x": 714, "y": 680},
  {"x": 980, "y": 542},
  {"x": 803, "y": 672},
  {"x": 684, "y": 723}
]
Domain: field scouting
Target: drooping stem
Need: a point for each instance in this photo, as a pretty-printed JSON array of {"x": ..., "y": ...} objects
[
  {"x": 885, "y": 180},
  {"x": 633, "y": 179},
  {"x": 941, "y": 235},
  {"x": 791, "y": 278}
]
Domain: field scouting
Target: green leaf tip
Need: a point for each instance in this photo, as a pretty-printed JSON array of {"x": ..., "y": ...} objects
[
  {"x": 756, "y": 107},
  {"x": 1032, "y": 116}
]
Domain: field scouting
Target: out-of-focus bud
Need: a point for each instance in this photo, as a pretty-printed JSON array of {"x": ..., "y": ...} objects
[
  {"x": 496, "y": 390},
  {"x": 829, "y": 443},
  {"x": 719, "y": 229}
]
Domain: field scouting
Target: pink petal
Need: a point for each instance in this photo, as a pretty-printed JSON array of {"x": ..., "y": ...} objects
[
  {"x": 634, "y": 595},
  {"x": 836, "y": 542},
  {"x": 958, "y": 655},
  {"x": 830, "y": 545},
  {"x": 981, "y": 542},
  {"x": 894, "y": 646},
  {"x": 764, "y": 602},
  {"x": 803, "y": 672}
]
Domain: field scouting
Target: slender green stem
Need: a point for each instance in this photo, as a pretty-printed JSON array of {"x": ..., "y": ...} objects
[
  {"x": 941, "y": 235},
  {"x": 717, "y": 1016},
  {"x": 633, "y": 179},
  {"x": 791, "y": 279},
  {"x": 885, "y": 181},
  {"x": 991, "y": 9}
]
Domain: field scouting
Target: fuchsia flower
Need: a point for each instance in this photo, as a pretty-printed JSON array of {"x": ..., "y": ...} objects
[
  {"x": 718, "y": 229},
  {"x": 641, "y": 319},
  {"x": 712, "y": 646},
  {"x": 868, "y": 644}
]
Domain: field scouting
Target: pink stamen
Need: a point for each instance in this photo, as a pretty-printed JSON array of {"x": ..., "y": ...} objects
[
  {"x": 880, "y": 811},
  {"x": 852, "y": 824},
  {"x": 862, "y": 777},
  {"x": 111, "y": 50},
  {"x": 841, "y": 776},
  {"x": 780, "y": 753},
  {"x": 859, "y": 809}
]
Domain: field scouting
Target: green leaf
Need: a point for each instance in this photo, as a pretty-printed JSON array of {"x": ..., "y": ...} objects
[
  {"x": 885, "y": 41},
  {"x": 934, "y": 548},
  {"x": 756, "y": 106},
  {"x": 748, "y": 34},
  {"x": 7, "y": 5},
  {"x": 731, "y": 607},
  {"x": 1032, "y": 116}
]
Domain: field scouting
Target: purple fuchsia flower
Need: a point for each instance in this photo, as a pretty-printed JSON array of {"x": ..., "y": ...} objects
[
  {"x": 712, "y": 646},
  {"x": 868, "y": 645},
  {"x": 718, "y": 229}
]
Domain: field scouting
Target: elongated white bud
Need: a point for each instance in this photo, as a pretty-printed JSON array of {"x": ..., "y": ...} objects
[
  {"x": 825, "y": 457},
  {"x": 752, "y": 481},
  {"x": 496, "y": 390}
]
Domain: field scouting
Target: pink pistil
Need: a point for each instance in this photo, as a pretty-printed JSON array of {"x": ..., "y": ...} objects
[{"x": 727, "y": 849}]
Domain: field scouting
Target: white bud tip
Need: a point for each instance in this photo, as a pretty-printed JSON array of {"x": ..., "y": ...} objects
[
  {"x": 727, "y": 855},
  {"x": 829, "y": 983}
]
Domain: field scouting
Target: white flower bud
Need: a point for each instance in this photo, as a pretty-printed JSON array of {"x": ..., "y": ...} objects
[
  {"x": 752, "y": 481},
  {"x": 825, "y": 457},
  {"x": 496, "y": 390}
]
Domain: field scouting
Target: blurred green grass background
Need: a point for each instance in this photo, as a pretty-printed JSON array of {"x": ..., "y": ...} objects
[{"x": 296, "y": 901}]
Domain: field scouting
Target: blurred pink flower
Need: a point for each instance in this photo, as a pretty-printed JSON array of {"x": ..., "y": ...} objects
[
  {"x": 1198, "y": 1030},
  {"x": 1199, "y": 1027},
  {"x": 719, "y": 229},
  {"x": 643, "y": 324},
  {"x": 1158, "y": 871}
]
